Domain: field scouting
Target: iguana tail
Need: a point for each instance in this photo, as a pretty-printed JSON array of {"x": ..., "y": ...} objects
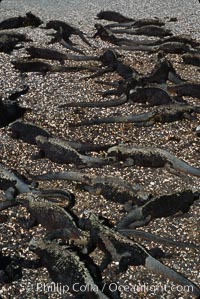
[{"x": 159, "y": 268}]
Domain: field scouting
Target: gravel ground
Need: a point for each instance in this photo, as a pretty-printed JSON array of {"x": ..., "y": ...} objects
[{"x": 47, "y": 93}]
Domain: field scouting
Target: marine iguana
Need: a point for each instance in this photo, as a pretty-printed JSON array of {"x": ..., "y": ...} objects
[
  {"x": 44, "y": 67},
  {"x": 123, "y": 21},
  {"x": 9, "y": 112},
  {"x": 158, "y": 207},
  {"x": 63, "y": 40},
  {"x": 181, "y": 38},
  {"x": 166, "y": 47},
  {"x": 66, "y": 30},
  {"x": 120, "y": 248},
  {"x": 107, "y": 35},
  {"x": 162, "y": 72},
  {"x": 162, "y": 114},
  {"x": 50, "y": 194},
  {"x": 113, "y": 16},
  {"x": 174, "y": 46},
  {"x": 10, "y": 270},
  {"x": 61, "y": 260},
  {"x": 116, "y": 190},
  {"x": 186, "y": 89},
  {"x": 58, "y": 221},
  {"x": 51, "y": 54},
  {"x": 148, "y": 30},
  {"x": 150, "y": 157},
  {"x": 9, "y": 41},
  {"x": 59, "y": 151},
  {"x": 16, "y": 94},
  {"x": 112, "y": 188},
  {"x": 137, "y": 23},
  {"x": 14, "y": 184},
  {"x": 155, "y": 238},
  {"x": 16, "y": 22},
  {"x": 193, "y": 59},
  {"x": 28, "y": 132},
  {"x": 151, "y": 95}
]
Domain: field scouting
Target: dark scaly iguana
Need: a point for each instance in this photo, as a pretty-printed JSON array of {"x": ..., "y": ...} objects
[
  {"x": 44, "y": 67},
  {"x": 51, "y": 54},
  {"x": 148, "y": 30},
  {"x": 14, "y": 184},
  {"x": 10, "y": 110},
  {"x": 162, "y": 114},
  {"x": 181, "y": 38},
  {"x": 67, "y": 268},
  {"x": 10, "y": 270},
  {"x": 162, "y": 72},
  {"x": 151, "y": 95},
  {"x": 106, "y": 35},
  {"x": 16, "y": 22},
  {"x": 136, "y": 23},
  {"x": 186, "y": 89},
  {"x": 60, "y": 151},
  {"x": 120, "y": 248},
  {"x": 158, "y": 207},
  {"x": 51, "y": 194},
  {"x": 54, "y": 218},
  {"x": 112, "y": 188},
  {"x": 16, "y": 94},
  {"x": 166, "y": 47},
  {"x": 193, "y": 59},
  {"x": 113, "y": 16},
  {"x": 28, "y": 132},
  {"x": 150, "y": 157},
  {"x": 67, "y": 30},
  {"x": 116, "y": 190}
]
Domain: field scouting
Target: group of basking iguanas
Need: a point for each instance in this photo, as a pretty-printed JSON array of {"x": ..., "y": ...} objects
[{"x": 83, "y": 234}]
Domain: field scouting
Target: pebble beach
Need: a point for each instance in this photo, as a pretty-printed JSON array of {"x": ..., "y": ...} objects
[{"x": 48, "y": 92}]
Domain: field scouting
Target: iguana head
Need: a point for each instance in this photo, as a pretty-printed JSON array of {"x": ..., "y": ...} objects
[{"x": 89, "y": 220}]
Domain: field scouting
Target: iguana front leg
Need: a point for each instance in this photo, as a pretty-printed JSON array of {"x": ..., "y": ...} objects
[
  {"x": 28, "y": 223},
  {"x": 107, "y": 259},
  {"x": 11, "y": 193}
]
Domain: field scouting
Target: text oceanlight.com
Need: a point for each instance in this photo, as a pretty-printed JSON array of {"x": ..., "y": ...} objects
[{"x": 113, "y": 287}]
